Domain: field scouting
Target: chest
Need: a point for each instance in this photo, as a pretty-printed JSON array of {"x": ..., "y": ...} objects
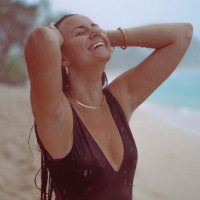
[
  {"x": 103, "y": 156},
  {"x": 104, "y": 131}
]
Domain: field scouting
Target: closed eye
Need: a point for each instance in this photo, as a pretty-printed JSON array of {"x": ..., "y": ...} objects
[
  {"x": 78, "y": 33},
  {"x": 81, "y": 30}
]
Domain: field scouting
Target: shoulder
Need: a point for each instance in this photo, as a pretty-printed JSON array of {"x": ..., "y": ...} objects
[{"x": 120, "y": 98}]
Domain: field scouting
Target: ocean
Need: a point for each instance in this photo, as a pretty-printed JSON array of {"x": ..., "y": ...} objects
[
  {"x": 181, "y": 90},
  {"x": 176, "y": 101}
]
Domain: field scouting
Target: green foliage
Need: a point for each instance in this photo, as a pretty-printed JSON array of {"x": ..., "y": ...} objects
[{"x": 16, "y": 19}]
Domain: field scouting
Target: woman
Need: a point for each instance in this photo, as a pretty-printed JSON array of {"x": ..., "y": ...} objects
[{"x": 88, "y": 151}]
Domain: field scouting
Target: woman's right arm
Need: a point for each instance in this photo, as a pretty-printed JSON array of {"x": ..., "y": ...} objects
[{"x": 51, "y": 109}]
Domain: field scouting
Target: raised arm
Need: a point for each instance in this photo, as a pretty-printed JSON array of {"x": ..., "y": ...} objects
[
  {"x": 170, "y": 42},
  {"x": 50, "y": 107}
]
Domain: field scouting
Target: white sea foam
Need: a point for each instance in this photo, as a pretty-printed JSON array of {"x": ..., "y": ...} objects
[{"x": 184, "y": 118}]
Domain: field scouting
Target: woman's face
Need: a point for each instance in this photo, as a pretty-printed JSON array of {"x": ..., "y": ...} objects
[{"x": 84, "y": 41}]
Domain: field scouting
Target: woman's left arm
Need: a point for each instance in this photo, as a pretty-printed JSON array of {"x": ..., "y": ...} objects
[{"x": 170, "y": 42}]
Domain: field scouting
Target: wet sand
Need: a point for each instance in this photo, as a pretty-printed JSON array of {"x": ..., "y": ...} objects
[
  {"x": 168, "y": 166},
  {"x": 169, "y": 162}
]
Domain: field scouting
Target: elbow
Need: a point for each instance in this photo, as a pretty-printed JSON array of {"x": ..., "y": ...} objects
[
  {"x": 39, "y": 35},
  {"x": 184, "y": 34},
  {"x": 184, "y": 39},
  {"x": 187, "y": 31},
  {"x": 40, "y": 32},
  {"x": 34, "y": 36}
]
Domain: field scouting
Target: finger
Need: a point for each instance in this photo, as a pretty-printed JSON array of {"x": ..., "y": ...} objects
[{"x": 52, "y": 25}]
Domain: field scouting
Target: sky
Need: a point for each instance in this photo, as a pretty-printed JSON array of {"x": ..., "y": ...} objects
[{"x": 110, "y": 14}]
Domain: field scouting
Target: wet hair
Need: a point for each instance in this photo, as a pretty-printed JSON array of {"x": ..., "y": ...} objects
[
  {"x": 47, "y": 187},
  {"x": 62, "y": 19},
  {"x": 65, "y": 79}
]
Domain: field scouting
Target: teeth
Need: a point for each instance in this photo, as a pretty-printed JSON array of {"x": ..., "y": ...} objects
[{"x": 94, "y": 46}]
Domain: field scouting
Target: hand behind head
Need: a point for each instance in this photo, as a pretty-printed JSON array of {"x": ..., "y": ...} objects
[{"x": 52, "y": 26}]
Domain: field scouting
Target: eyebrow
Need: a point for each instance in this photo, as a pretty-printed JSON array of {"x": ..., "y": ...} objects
[{"x": 82, "y": 27}]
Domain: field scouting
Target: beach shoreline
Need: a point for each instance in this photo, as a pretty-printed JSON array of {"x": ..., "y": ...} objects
[
  {"x": 182, "y": 118},
  {"x": 168, "y": 162}
]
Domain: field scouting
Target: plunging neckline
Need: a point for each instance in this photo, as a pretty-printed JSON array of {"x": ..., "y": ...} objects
[{"x": 98, "y": 146}]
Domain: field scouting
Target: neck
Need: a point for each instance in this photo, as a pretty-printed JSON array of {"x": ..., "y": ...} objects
[
  {"x": 86, "y": 84},
  {"x": 87, "y": 92},
  {"x": 89, "y": 106}
]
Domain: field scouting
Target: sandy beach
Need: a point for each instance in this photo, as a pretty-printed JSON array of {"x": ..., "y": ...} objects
[
  {"x": 168, "y": 166},
  {"x": 169, "y": 162}
]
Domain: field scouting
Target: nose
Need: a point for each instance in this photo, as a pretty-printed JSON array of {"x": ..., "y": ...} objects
[{"x": 94, "y": 33}]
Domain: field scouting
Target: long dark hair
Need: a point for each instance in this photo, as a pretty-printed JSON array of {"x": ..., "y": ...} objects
[{"x": 47, "y": 186}]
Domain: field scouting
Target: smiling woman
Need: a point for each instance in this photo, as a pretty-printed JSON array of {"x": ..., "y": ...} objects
[
  {"x": 81, "y": 123},
  {"x": 78, "y": 31}
]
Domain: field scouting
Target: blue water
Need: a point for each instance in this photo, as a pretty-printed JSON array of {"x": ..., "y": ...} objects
[{"x": 181, "y": 90}]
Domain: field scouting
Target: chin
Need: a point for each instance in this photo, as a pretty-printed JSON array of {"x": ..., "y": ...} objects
[
  {"x": 94, "y": 58},
  {"x": 103, "y": 56}
]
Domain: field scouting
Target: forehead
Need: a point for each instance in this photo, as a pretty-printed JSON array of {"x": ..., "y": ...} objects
[{"x": 75, "y": 21}]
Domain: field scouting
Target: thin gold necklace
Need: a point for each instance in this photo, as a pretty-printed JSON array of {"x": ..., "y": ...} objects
[{"x": 87, "y": 106}]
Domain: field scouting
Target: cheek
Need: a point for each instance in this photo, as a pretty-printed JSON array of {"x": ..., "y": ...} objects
[{"x": 75, "y": 49}]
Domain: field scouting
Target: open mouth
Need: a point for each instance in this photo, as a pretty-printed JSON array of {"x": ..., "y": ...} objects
[{"x": 97, "y": 45}]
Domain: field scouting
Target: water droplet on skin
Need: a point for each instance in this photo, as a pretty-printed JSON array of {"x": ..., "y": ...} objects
[{"x": 85, "y": 172}]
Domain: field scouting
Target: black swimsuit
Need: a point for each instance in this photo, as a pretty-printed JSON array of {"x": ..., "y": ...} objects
[{"x": 85, "y": 173}]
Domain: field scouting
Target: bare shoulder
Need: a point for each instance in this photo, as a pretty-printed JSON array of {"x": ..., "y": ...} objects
[{"x": 118, "y": 90}]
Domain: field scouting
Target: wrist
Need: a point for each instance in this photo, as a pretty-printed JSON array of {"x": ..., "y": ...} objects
[
  {"x": 124, "y": 35},
  {"x": 118, "y": 38}
]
